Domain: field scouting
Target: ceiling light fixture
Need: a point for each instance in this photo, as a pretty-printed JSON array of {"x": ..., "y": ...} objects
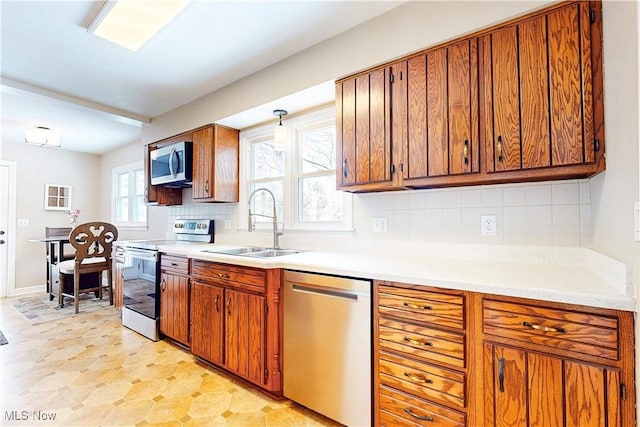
[
  {"x": 131, "y": 23},
  {"x": 280, "y": 132},
  {"x": 42, "y": 136}
]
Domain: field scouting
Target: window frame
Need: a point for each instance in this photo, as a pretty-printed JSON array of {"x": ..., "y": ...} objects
[
  {"x": 293, "y": 151},
  {"x": 131, "y": 169}
]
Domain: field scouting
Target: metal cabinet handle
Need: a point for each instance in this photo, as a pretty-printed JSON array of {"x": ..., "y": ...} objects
[
  {"x": 344, "y": 168},
  {"x": 499, "y": 148},
  {"x": 418, "y": 379},
  {"x": 501, "y": 374},
  {"x": 417, "y": 306},
  {"x": 174, "y": 264},
  {"x": 163, "y": 285},
  {"x": 206, "y": 186},
  {"x": 418, "y": 342},
  {"x": 217, "y": 303},
  {"x": 223, "y": 275},
  {"x": 465, "y": 152},
  {"x": 229, "y": 306},
  {"x": 544, "y": 328},
  {"x": 418, "y": 417}
]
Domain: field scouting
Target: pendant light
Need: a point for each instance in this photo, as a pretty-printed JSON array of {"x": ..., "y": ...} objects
[{"x": 280, "y": 132}]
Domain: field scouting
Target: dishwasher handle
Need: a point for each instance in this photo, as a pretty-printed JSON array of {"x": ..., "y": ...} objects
[{"x": 329, "y": 292}]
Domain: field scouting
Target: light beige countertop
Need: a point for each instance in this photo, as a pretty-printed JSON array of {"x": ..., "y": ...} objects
[{"x": 568, "y": 275}]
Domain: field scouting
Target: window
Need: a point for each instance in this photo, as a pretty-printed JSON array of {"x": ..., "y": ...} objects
[
  {"x": 302, "y": 178},
  {"x": 129, "y": 208}
]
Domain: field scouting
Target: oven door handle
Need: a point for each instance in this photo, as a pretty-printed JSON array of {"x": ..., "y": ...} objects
[{"x": 141, "y": 254}]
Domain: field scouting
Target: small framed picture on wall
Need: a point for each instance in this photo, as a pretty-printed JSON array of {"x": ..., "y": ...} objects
[{"x": 57, "y": 197}]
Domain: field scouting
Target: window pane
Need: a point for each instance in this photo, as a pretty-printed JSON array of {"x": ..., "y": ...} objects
[
  {"x": 123, "y": 184},
  {"x": 262, "y": 203},
  {"x": 138, "y": 176},
  {"x": 318, "y": 150},
  {"x": 122, "y": 210},
  {"x": 267, "y": 163},
  {"x": 319, "y": 200},
  {"x": 139, "y": 213}
]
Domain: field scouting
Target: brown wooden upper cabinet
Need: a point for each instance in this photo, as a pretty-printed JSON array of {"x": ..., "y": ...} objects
[
  {"x": 215, "y": 164},
  {"x": 521, "y": 101},
  {"x": 363, "y": 130},
  {"x": 442, "y": 113},
  {"x": 539, "y": 92}
]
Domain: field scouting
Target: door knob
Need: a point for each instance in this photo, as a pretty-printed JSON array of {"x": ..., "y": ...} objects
[
  {"x": 1, "y": 232},
  {"x": 1, "y": 242}
]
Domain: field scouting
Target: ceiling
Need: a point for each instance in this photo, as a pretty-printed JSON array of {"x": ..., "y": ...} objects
[{"x": 98, "y": 95}]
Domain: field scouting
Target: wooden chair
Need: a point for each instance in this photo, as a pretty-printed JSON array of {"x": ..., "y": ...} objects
[
  {"x": 56, "y": 252},
  {"x": 93, "y": 242}
]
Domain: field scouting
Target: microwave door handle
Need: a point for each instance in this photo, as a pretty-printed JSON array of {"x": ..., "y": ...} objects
[{"x": 171, "y": 155}]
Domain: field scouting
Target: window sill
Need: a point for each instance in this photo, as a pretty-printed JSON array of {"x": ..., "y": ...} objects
[{"x": 132, "y": 227}]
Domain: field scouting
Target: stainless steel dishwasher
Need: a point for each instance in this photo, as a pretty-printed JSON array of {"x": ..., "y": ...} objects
[{"x": 327, "y": 345}]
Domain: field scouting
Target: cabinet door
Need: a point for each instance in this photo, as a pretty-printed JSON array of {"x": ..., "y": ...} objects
[
  {"x": 203, "y": 163},
  {"x": 538, "y": 92},
  {"x": 174, "y": 307},
  {"x": 118, "y": 281},
  {"x": 532, "y": 389},
  {"x": 363, "y": 125},
  {"x": 442, "y": 109},
  {"x": 245, "y": 335},
  {"x": 207, "y": 322}
]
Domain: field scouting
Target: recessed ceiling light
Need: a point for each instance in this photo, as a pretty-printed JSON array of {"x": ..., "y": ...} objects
[{"x": 131, "y": 23}]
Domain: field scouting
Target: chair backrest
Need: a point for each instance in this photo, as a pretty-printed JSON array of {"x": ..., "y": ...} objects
[{"x": 93, "y": 240}]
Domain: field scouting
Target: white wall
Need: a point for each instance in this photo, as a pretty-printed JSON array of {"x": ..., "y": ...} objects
[{"x": 37, "y": 166}]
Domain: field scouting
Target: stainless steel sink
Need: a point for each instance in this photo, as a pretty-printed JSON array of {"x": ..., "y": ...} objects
[
  {"x": 270, "y": 253},
  {"x": 254, "y": 251},
  {"x": 236, "y": 251}
]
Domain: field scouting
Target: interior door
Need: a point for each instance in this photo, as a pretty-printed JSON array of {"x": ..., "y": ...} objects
[{"x": 7, "y": 226}]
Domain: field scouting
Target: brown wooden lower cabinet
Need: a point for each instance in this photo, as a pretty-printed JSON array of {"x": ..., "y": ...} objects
[
  {"x": 174, "y": 307},
  {"x": 236, "y": 321},
  {"x": 499, "y": 361}
]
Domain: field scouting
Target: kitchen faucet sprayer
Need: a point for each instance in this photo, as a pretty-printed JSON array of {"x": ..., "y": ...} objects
[{"x": 251, "y": 225}]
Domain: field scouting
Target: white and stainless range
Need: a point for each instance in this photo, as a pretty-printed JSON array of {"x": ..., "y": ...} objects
[{"x": 141, "y": 273}]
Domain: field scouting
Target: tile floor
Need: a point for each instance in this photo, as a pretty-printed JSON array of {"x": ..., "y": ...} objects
[{"x": 88, "y": 370}]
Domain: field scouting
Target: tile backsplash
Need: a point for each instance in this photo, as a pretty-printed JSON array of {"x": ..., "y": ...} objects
[{"x": 552, "y": 213}]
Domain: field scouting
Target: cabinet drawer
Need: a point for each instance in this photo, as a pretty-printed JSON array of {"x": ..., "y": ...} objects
[
  {"x": 424, "y": 306},
  {"x": 398, "y": 408},
  {"x": 587, "y": 333},
  {"x": 425, "y": 343},
  {"x": 422, "y": 379},
  {"x": 246, "y": 278},
  {"x": 174, "y": 264}
]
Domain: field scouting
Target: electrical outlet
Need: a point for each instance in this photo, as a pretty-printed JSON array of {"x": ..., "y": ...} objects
[
  {"x": 488, "y": 225},
  {"x": 379, "y": 224},
  {"x": 23, "y": 222}
]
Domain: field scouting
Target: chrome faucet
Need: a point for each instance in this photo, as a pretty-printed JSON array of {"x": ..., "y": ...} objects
[{"x": 276, "y": 233}]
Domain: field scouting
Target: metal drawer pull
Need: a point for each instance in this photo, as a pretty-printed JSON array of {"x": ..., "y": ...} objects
[
  {"x": 417, "y": 342},
  {"x": 418, "y": 417},
  {"x": 544, "y": 328},
  {"x": 417, "y": 378},
  {"x": 174, "y": 264},
  {"x": 501, "y": 374},
  {"x": 222, "y": 275},
  {"x": 499, "y": 148},
  {"x": 417, "y": 306},
  {"x": 465, "y": 152}
]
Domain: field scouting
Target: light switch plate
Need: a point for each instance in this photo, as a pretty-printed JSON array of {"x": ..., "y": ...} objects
[
  {"x": 488, "y": 225},
  {"x": 379, "y": 224},
  {"x": 23, "y": 222}
]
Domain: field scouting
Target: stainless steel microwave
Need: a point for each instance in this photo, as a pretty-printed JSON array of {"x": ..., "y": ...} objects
[{"x": 172, "y": 165}]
